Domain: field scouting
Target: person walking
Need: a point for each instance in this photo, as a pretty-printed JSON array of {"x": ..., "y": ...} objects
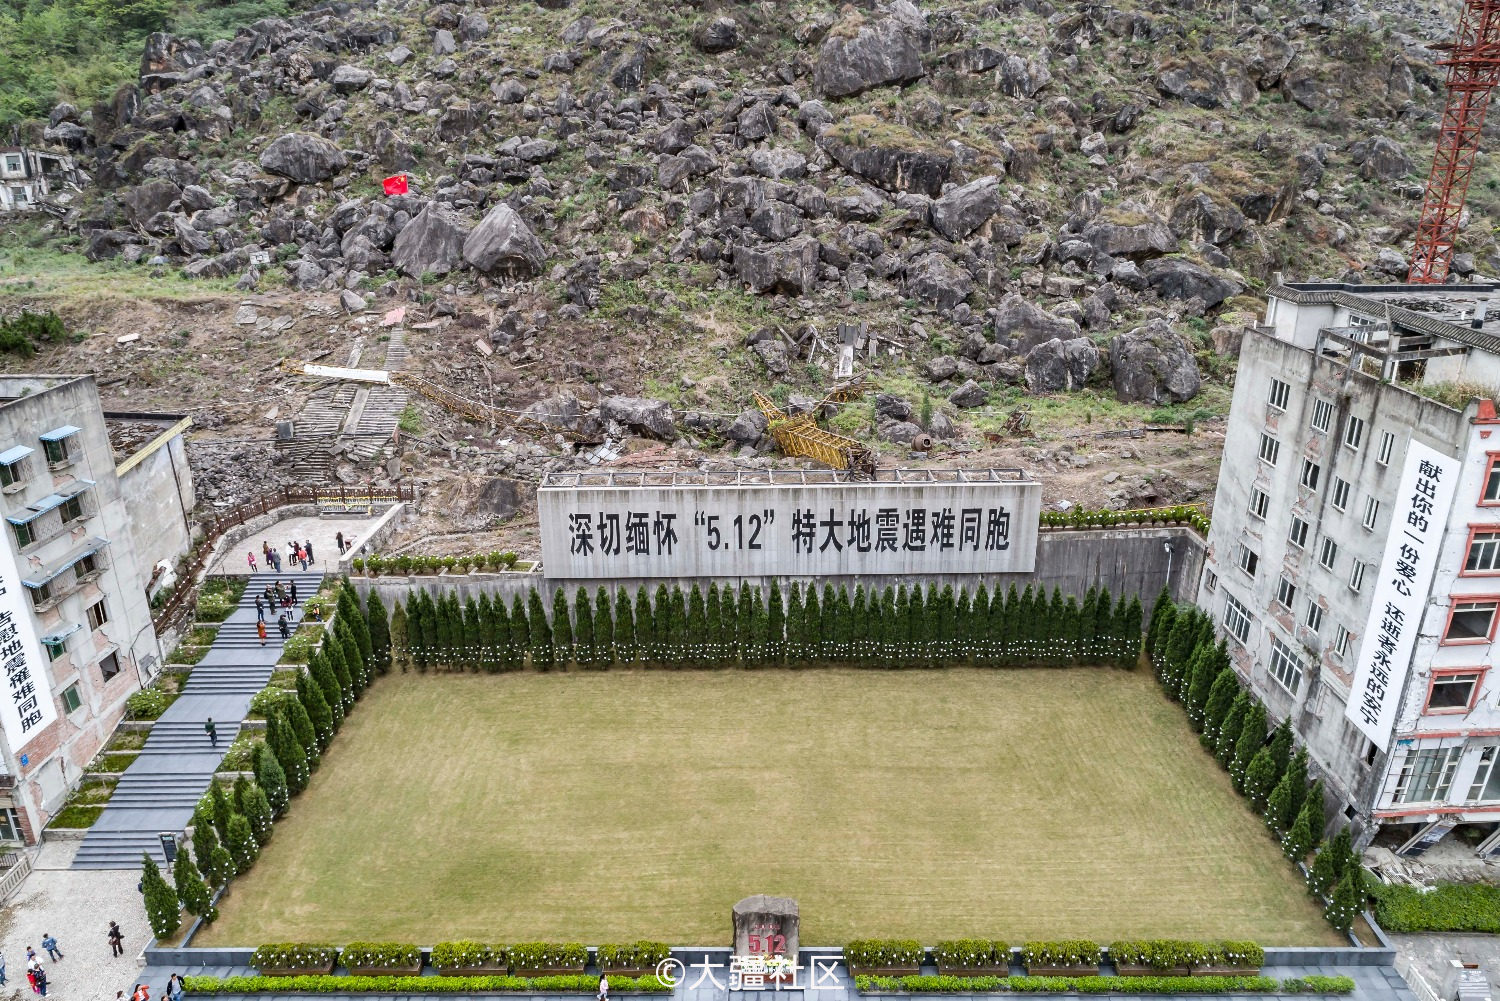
[
  {"x": 260, "y": 609},
  {"x": 307, "y": 547},
  {"x": 260, "y": 630},
  {"x": 293, "y": 590},
  {"x": 49, "y": 942},
  {"x": 251, "y": 558},
  {"x": 142, "y": 993},
  {"x": 603, "y": 988},
  {"x": 265, "y": 550},
  {"x": 41, "y": 981},
  {"x": 286, "y": 630},
  {"x": 209, "y": 728},
  {"x": 174, "y": 987},
  {"x": 31, "y": 979},
  {"x": 116, "y": 943},
  {"x": 302, "y": 558},
  {"x": 338, "y": 539},
  {"x": 31, "y": 959}
]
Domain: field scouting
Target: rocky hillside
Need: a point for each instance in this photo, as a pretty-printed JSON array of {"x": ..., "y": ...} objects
[{"x": 684, "y": 200}]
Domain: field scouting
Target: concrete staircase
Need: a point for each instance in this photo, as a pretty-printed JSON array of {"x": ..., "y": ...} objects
[{"x": 161, "y": 787}]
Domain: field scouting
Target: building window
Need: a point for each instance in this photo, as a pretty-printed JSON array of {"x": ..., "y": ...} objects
[
  {"x": 12, "y": 473},
  {"x": 1472, "y": 621},
  {"x": 1236, "y": 618},
  {"x": 24, "y": 534},
  {"x": 1484, "y": 553},
  {"x": 41, "y": 595},
  {"x": 1427, "y": 774},
  {"x": 70, "y": 699},
  {"x": 1372, "y": 512},
  {"x": 98, "y": 614},
  {"x": 1354, "y": 433},
  {"x": 72, "y": 509},
  {"x": 1210, "y": 580},
  {"x": 1249, "y": 560},
  {"x": 12, "y": 163},
  {"x": 85, "y": 566},
  {"x": 1387, "y": 446},
  {"x": 1453, "y": 691},
  {"x": 10, "y": 827},
  {"x": 1280, "y": 392},
  {"x": 1260, "y": 503},
  {"x": 1329, "y": 554},
  {"x": 1357, "y": 577},
  {"x": 1491, "y": 493},
  {"x": 1322, "y": 415},
  {"x": 1486, "y": 777},
  {"x": 1298, "y": 534},
  {"x": 1310, "y": 473},
  {"x": 110, "y": 665},
  {"x": 1285, "y": 667},
  {"x": 56, "y": 451},
  {"x": 55, "y": 646},
  {"x": 1270, "y": 449},
  {"x": 1341, "y": 641},
  {"x": 1340, "y": 494},
  {"x": 1314, "y": 617},
  {"x": 1286, "y": 593}
]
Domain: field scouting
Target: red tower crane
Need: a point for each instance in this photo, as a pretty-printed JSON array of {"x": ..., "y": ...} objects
[{"x": 1473, "y": 70}]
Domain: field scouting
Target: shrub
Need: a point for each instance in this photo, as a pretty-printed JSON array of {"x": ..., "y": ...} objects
[
  {"x": 148, "y": 703},
  {"x": 467, "y": 954},
  {"x": 358, "y": 564},
  {"x": 1470, "y": 907},
  {"x": 971, "y": 952},
  {"x": 383, "y": 955},
  {"x": 162, "y": 906},
  {"x": 642, "y": 955},
  {"x": 267, "y": 698},
  {"x": 1240, "y": 953},
  {"x": 547, "y": 955},
  {"x": 292, "y": 956},
  {"x": 882, "y": 952},
  {"x": 1104, "y": 985},
  {"x": 566, "y": 984},
  {"x": 1159, "y": 954},
  {"x": 1066, "y": 952}
]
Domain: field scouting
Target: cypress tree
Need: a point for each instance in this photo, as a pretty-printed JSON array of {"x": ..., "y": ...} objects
[
  {"x": 1296, "y": 843},
  {"x": 1260, "y": 778},
  {"x": 1128, "y": 629},
  {"x": 488, "y": 656},
  {"x": 310, "y": 694},
  {"x": 1348, "y": 898},
  {"x": 812, "y": 617},
  {"x": 1345, "y": 861},
  {"x": 288, "y": 752},
  {"x": 358, "y": 676},
  {"x": 1086, "y": 632},
  {"x": 911, "y": 632},
  {"x": 220, "y": 809},
  {"x": 1252, "y": 738},
  {"x": 1234, "y": 722},
  {"x": 760, "y": 636},
  {"x": 1159, "y": 612},
  {"x": 713, "y": 626},
  {"x": 429, "y": 650},
  {"x": 400, "y": 652},
  {"x": 1180, "y": 644},
  {"x": 1010, "y": 628},
  {"x": 859, "y": 627},
  {"x": 473, "y": 644},
  {"x": 796, "y": 632},
  {"x": 378, "y": 626},
  {"x": 443, "y": 640},
  {"x": 1220, "y": 698},
  {"x": 624, "y": 622},
  {"x": 237, "y": 793},
  {"x": 333, "y": 649},
  {"x": 677, "y": 627},
  {"x": 271, "y": 777},
  {"x": 1312, "y": 807},
  {"x": 696, "y": 631},
  {"x": 562, "y": 629},
  {"x": 604, "y": 628},
  {"x": 205, "y": 842},
  {"x": 1069, "y": 643},
  {"x": 1286, "y": 799},
  {"x": 1107, "y": 627},
  {"x": 542, "y": 655},
  {"x": 1057, "y": 638},
  {"x": 192, "y": 892},
  {"x": 981, "y": 625},
  {"x": 729, "y": 618},
  {"x": 1281, "y": 748},
  {"x": 1204, "y": 676},
  {"x": 241, "y": 843},
  {"x": 585, "y": 641},
  {"x": 744, "y": 625},
  {"x": 843, "y": 624},
  {"x": 258, "y": 812},
  {"x": 1162, "y": 640},
  {"x": 645, "y": 627},
  {"x": 349, "y": 611},
  {"x": 1323, "y": 873},
  {"x": 302, "y": 728},
  {"x": 518, "y": 633},
  {"x": 161, "y": 900},
  {"x": 661, "y": 625},
  {"x": 775, "y": 624}
]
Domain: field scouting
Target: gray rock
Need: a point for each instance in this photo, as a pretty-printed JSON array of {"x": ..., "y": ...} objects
[
  {"x": 432, "y": 243},
  {"x": 1153, "y": 364},
  {"x": 777, "y": 221},
  {"x": 891, "y": 166},
  {"x": 304, "y": 158},
  {"x": 502, "y": 243},
  {"x": 748, "y": 427},
  {"x": 352, "y": 301},
  {"x": 1391, "y": 262},
  {"x": 886, "y": 51},
  {"x": 790, "y": 267},
  {"x": 718, "y": 35},
  {"x": 773, "y": 356},
  {"x": 971, "y": 394},
  {"x": 1023, "y": 77},
  {"x": 1025, "y": 325},
  {"x": 474, "y": 26},
  {"x": 1384, "y": 160},
  {"x": 963, "y": 210},
  {"x": 942, "y": 368},
  {"x": 1198, "y": 215},
  {"x": 1175, "y": 278},
  {"x": 778, "y": 163},
  {"x": 196, "y": 198},
  {"x": 562, "y": 409},
  {"x": 1140, "y": 238},
  {"x": 941, "y": 426},
  {"x": 149, "y": 199},
  {"x": 1462, "y": 264},
  {"x": 443, "y": 43},
  {"x": 307, "y": 275},
  {"x": 347, "y": 79},
  {"x": 509, "y": 92},
  {"x": 900, "y": 432},
  {"x": 890, "y": 407},
  {"x": 1057, "y": 365},
  {"x": 399, "y": 55},
  {"x": 935, "y": 279},
  {"x": 652, "y": 418},
  {"x": 1127, "y": 274},
  {"x": 756, "y": 122}
]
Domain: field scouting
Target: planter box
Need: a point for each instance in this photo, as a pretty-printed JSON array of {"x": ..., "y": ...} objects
[
  {"x": 1225, "y": 971},
  {"x": 307, "y": 971},
  {"x": 1063, "y": 971},
  {"x": 628, "y": 971},
  {"x": 884, "y": 971},
  {"x": 973, "y": 971},
  {"x": 473, "y": 971},
  {"x": 1131, "y": 970},
  {"x": 386, "y": 971},
  {"x": 548, "y": 971}
]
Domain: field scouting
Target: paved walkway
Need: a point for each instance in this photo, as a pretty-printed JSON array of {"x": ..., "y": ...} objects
[
  {"x": 320, "y": 530},
  {"x": 77, "y": 908},
  {"x": 160, "y": 788}
]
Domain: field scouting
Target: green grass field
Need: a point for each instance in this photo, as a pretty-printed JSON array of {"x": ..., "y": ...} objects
[{"x": 597, "y": 807}]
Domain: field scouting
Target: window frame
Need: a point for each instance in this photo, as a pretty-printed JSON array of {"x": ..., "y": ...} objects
[
  {"x": 74, "y": 503},
  {"x": 1322, "y": 409},
  {"x": 1275, "y": 449},
  {"x": 1286, "y": 653},
  {"x": 1387, "y": 447},
  {"x": 1286, "y": 593},
  {"x": 1316, "y": 470},
  {"x": 1341, "y": 639},
  {"x": 71, "y": 690},
  {"x": 1342, "y": 491},
  {"x": 1312, "y": 618},
  {"x": 14, "y": 470},
  {"x": 1234, "y": 608},
  {"x": 1210, "y": 580},
  {"x": 1442, "y": 785},
  {"x": 1474, "y": 532},
  {"x": 1476, "y": 599},
  {"x": 1282, "y": 389},
  {"x": 1371, "y": 517},
  {"x": 1292, "y": 536},
  {"x": 1325, "y": 560},
  {"x": 103, "y": 615},
  {"x": 1491, "y": 769},
  {"x": 1355, "y": 428},
  {"x": 63, "y": 456},
  {"x": 1449, "y": 673},
  {"x": 1254, "y": 561},
  {"x": 112, "y": 657},
  {"x": 1491, "y": 473},
  {"x": 1356, "y": 579},
  {"x": 1259, "y": 511}
]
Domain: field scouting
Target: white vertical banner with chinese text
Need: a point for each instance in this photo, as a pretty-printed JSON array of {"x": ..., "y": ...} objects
[
  {"x": 26, "y": 708},
  {"x": 1411, "y": 553}
]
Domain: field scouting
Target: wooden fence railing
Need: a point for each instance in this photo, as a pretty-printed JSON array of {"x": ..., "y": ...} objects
[{"x": 183, "y": 601}]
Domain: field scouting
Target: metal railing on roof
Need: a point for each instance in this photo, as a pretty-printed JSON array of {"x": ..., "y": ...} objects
[{"x": 770, "y": 477}]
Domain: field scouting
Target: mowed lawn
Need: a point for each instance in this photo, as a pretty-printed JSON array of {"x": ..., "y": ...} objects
[{"x": 599, "y": 807}]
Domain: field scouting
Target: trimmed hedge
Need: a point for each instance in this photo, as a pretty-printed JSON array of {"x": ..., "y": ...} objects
[
  {"x": 570, "y": 984},
  {"x": 294, "y": 956},
  {"x": 880, "y": 952},
  {"x": 1471, "y": 907},
  {"x": 1104, "y": 985},
  {"x": 542, "y": 955},
  {"x": 1064, "y": 952},
  {"x": 1165, "y": 953},
  {"x": 386, "y": 955},
  {"x": 642, "y": 955},
  {"x": 971, "y": 952},
  {"x": 466, "y": 953},
  {"x": 1183, "y": 514}
]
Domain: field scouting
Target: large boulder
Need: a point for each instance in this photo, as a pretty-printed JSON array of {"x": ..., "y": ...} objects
[
  {"x": 877, "y": 53},
  {"x": 965, "y": 209},
  {"x": 1381, "y": 159},
  {"x": 748, "y": 427},
  {"x": 1132, "y": 233},
  {"x": 1057, "y": 365},
  {"x": 652, "y": 418},
  {"x": 503, "y": 244},
  {"x": 561, "y": 410},
  {"x": 1022, "y": 325},
  {"x": 971, "y": 394},
  {"x": 1152, "y": 364},
  {"x": 432, "y": 243},
  {"x": 304, "y": 158},
  {"x": 935, "y": 279},
  {"x": 888, "y": 156},
  {"x": 1175, "y": 278},
  {"x": 790, "y": 267},
  {"x": 1196, "y": 83},
  {"x": 717, "y": 35},
  {"x": 1198, "y": 215},
  {"x": 347, "y": 79},
  {"x": 146, "y": 200}
]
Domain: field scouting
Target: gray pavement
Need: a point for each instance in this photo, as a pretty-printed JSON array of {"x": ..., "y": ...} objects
[
  {"x": 1431, "y": 952},
  {"x": 159, "y": 790},
  {"x": 322, "y": 531}
]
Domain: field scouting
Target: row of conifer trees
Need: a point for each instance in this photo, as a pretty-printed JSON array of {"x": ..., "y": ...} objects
[
  {"x": 1263, "y": 763},
  {"x": 693, "y": 627}
]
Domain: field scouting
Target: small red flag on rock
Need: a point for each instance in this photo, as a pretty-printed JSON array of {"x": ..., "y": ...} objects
[{"x": 395, "y": 185}]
